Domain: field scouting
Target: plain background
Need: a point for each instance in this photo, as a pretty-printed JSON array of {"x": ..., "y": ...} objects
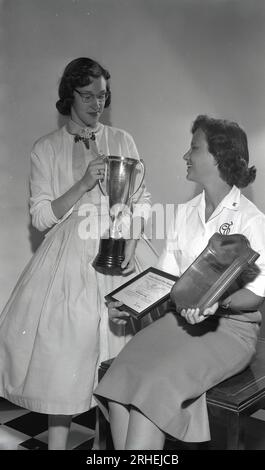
[{"x": 170, "y": 60}]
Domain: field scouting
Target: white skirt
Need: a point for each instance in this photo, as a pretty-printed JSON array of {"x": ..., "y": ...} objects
[{"x": 54, "y": 330}]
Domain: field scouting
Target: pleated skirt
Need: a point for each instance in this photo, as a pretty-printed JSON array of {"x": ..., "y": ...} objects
[{"x": 55, "y": 330}]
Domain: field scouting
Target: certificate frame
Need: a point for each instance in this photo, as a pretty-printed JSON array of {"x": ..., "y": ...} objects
[{"x": 140, "y": 281}]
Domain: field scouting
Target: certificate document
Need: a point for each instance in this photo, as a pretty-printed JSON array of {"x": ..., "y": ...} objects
[{"x": 144, "y": 292}]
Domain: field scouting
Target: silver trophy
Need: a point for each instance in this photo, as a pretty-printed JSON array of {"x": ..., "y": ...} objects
[{"x": 119, "y": 187}]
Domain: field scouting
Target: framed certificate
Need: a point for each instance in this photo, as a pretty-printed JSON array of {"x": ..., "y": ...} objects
[{"x": 144, "y": 292}]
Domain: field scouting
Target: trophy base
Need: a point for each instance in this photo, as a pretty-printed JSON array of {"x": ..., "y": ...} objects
[{"x": 110, "y": 256}]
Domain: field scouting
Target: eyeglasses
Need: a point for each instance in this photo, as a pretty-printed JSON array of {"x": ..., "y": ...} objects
[{"x": 88, "y": 97}]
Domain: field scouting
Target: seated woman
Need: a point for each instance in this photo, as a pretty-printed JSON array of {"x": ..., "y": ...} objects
[{"x": 156, "y": 386}]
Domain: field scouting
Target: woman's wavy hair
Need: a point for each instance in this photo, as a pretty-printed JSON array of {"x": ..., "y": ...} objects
[
  {"x": 78, "y": 73},
  {"x": 228, "y": 144}
]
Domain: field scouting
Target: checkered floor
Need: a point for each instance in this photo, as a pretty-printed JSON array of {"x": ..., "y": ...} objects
[{"x": 21, "y": 429}]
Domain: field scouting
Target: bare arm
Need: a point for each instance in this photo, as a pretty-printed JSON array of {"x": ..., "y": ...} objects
[
  {"x": 243, "y": 299},
  {"x": 64, "y": 203}
]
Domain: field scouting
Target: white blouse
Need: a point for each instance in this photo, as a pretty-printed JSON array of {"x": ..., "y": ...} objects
[{"x": 189, "y": 233}]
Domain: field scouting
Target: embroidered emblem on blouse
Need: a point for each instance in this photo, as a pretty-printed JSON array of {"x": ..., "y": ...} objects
[{"x": 224, "y": 229}]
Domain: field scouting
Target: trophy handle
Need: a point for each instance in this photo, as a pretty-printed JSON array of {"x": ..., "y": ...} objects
[
  {"x": 106, "y": 169},
  {"x": 140, "y": 162}
]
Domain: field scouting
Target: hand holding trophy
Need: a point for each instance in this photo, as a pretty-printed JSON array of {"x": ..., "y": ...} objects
[{"x": 120, "y": 176}]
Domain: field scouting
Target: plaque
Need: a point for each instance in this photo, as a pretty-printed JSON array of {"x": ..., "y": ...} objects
[
  {"x": 144, "y": 292},
  {"x": 213, "y": 271}
]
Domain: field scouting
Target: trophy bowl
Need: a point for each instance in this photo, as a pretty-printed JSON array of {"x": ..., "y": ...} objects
[{"x": 119, "y": 187}]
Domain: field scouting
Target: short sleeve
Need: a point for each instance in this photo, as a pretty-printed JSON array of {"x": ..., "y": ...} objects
[{"x": 255, "y": 233}]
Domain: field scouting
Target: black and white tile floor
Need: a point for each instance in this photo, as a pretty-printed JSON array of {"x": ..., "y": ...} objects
[{"x": 21, "y": 429}]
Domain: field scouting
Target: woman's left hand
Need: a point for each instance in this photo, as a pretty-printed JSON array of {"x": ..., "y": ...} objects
[
  {"x": 119, "y": 317},
  {"x": 128, "y": 264},
  {"x": 193, "y": 315}
]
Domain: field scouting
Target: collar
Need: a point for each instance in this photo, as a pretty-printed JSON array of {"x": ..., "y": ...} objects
[
  {"x": 85, "y": 132},
  {"x": 230, "y": 201}
]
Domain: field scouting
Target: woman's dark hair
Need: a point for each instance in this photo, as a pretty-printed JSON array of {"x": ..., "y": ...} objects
[
  {"x": 228, "y": 144},
  {"x": 78, "y": 73}
]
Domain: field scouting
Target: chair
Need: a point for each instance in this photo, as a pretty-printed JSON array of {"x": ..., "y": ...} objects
[{"x": 231, "y": 401}]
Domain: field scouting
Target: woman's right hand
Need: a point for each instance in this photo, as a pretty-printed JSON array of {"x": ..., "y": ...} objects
[{"x": 95, "y": 171}]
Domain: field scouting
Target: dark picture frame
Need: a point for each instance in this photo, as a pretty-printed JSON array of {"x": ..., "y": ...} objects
[{"x": 136, "y": 292}]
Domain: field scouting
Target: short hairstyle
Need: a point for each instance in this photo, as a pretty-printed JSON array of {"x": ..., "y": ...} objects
[
  {"x": 228, "y": 144},
  {"x": 78, "y": 73}
]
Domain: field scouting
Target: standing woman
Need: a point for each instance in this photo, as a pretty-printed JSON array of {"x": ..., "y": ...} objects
[
  {"x": 54, "y": 329},
  {"x": 157, "y": 384}
]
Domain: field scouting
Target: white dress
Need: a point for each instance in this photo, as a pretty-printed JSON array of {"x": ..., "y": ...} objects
[{"x": 54, "y": 330}]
